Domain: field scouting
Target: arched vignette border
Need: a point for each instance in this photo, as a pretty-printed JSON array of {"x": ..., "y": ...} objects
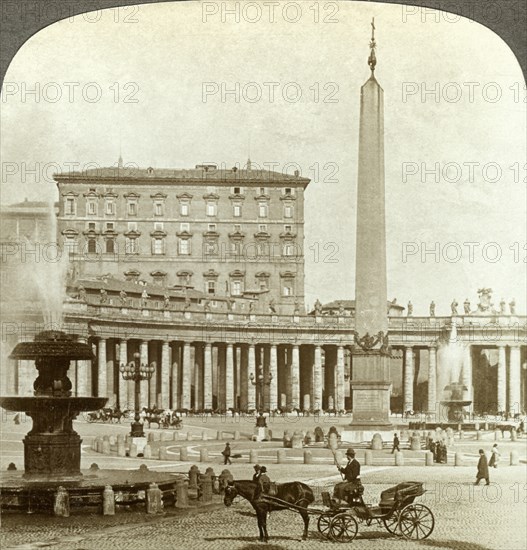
[{"x": 14, "y": 31}]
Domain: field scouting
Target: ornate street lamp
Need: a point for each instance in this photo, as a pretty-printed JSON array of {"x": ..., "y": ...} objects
[
  {"x": 137, "y": 371},
  {"x": 260, "y": 382}
]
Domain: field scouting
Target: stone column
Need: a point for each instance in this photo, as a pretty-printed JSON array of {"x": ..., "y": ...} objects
[
  {"x": 330, "y": 379},
  {"x": 165, "y": 375},
  {"x": 502, "y": 376},
  {"x": 244, "y": 377},
  {"x": 251, "y": 369},
  {"x": 207, "y": 376},
  {"x": 514, "y": 380},
  {"x": 123, "y": 391},
  {"x": 340, "y": 402},
  {"x": 186, "y": 377},
  {"x": 432, "y": 379},
  {"x": 152, "y": 383},
  {"x": 317, "y": 379},
  {"x": 295, "y": 377},
  {"x": 229, "y": 377},
  {"x": 408, "y": 379},
  {"x": 176, "y": 362},
  {"x": 143, "y": 351},
  {"x": 466, "y": 375},
  {"x": 198, "y": 376},
  {"x": 273, "y": 370},
  {"x": 83, "y": 369}
]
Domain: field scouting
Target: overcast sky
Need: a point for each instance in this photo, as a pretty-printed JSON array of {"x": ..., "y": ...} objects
[{"x": 150, "y": 67}]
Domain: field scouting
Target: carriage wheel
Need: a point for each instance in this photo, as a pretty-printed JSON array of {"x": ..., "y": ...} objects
[
  {"x": 343, "y": 528},
  {"x": 323, "y": 524},
  {"x": 416, "y": 522},
  {"x": 392, "y": 524}
]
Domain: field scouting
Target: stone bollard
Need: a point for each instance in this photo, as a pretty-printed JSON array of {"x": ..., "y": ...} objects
[
  {"x": 112, "y": 440},
  {"x": 206, "y": 489},
  {"x": 514, "y": 434},
  {"x": 189, "y": 436},
  {"x": 308, "y": 457},
  {"x": 236, "y": 435},
  {"x": 376, "y": 442},
  {"x": 175, "y": 435},
  {"x": 253, "y": 456},
  {"x": 280, "y": 456},
  {"x": 399, "y": 458},
  {"x": 219, "y": 435},
  {"x": 154, "y": 499},
  {"x": 415, "y": 442},
  {"x": 105, "y": 447},
  {"x": 150, "y": 437},
  {"x": 497, "y": 435},
  {"x": 99, "y": 444},
  {"x": 368, "y": 458},
  {"x": 183, "y": 454},
  {"x": 133, "y": 451},
  {"x": 429, "y": 458},
  {"x": 478, "y": 435},
  {"x": 204, "y": 455},
  {"x": 121, "y": 448},
  {"x": 181, "y": 493},
  {"x": 95, "y": 444},
  {"x": 486, "y": 426},
  {"x": 204, "y": 436},
  {"x": 94, "y": 468},
  {"x": 297, "y": 440},
  {"x": 108, "y": 500},
  {"x": 163, "y": 453},
  {"x": 147, "y": 451},
  {"x": 193, "y": 475},
  {"x": 333, "y": 440},
  {"x": 460, "y": 434},
  {"x": 458, "y": 459},
  {"x": 61, "y": 503},
  {"x": 309, "y": 438},
  {"x": 514, "y": 460}
]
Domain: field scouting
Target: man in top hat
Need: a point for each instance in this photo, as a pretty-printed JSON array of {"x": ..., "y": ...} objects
[
  {"x": 256, "y": 474},
  {"x": 351, "y": 473}
]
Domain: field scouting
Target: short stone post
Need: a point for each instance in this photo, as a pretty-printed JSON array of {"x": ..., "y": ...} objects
[
  {"x": 183, "y": 454},
  {"x": 133, "y": 450},
  {"x": 297, "y": 440},
  {"x": 308, "y": 457},
  {"x": 154, "y": 499},
  {"x": 458, "y": 459},
  {"x": 204, "y": 436},
  {"x": 478, "y": 435},
  {"x": 61, "y": 503},
  {"x": 204, "y": 455},
  {"x": 206, "y": 488},
  {"x": 497, "y": 435},
  {"x": 105, "y": 447},
  {"x": 193, "y": 477},
  {"x": 280, "y": 456},
  {"x": 429, "y": 458},
  {"x": 108, "y": 500},
  {"x": 219, "y": 435},
  {"x": 415, "y": 442},
  {"x": 368, "y": 458},
  {"x": 181, "y": 493},
  {"x": 236, "y": 435},
  {"x": 253, "y": 456},
  {"x": 399, "y": 458},
  {"x": 376, "y": 442},
  {"x": 121, "y": 447},
  {"x": 189, "y": 436},
  {"x": 333, "y": 440},
  {"x": 150, "y": 437},
  {"x": 95, "y": 444},
  {"x": 514, "y": 434},
  {"x": 163, "y": 453},
  {"x": 175, "y": 435},
  {"x": 514, "y": 459},
  {"x": 147, "y": 451}
]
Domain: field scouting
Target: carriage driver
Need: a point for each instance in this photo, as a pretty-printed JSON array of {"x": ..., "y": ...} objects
[{"x": 351, "y": 473}]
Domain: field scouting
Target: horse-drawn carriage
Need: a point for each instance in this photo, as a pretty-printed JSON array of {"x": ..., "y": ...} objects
[
  {"x": 108, "y": 414},
  {"x": 396, "y": 510},
  {"x": 163, "y": 419}
]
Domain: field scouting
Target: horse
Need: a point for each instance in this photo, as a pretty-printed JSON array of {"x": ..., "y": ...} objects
[{"x": 295, "y": 492}]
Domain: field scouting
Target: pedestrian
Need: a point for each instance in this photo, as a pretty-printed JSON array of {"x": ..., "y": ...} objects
[
  {"x": 495, "y": 457},
  {"x": 227, "y": 454},
  {"x": 395, "y": 446},
  {"x": 257, "y": 472},
  {"x": 483, "y": 469}
]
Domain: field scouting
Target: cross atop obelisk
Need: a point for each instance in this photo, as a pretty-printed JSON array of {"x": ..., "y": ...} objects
[{"x": 372, "y": 60}]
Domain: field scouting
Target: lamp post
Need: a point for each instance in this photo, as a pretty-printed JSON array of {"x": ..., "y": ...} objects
[
  {"x": 260, "y": 382},
  {"x": 137, "y": 371}
]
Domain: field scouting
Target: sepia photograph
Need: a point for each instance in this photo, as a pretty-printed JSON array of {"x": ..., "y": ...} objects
[{"x": 263, "y": 275}]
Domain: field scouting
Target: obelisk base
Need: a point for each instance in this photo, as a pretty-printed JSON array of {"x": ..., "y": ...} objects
[{"x": 371, "y": 391}]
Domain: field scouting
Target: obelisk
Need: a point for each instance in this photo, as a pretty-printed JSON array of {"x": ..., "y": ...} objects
[{"x": 370, "y": 362}]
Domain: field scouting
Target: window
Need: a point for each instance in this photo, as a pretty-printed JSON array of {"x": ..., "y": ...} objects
[
  {"x": 211, "y": 248},
  {"x": 236, "y": 288},
  {"x": 92, "y": 208},
  {"x": 288, "y": 249},
  {"x": 91, "y": 226},
  {"x": 184, "y": 208},
  {"x": 158, "y": 209},
  {"x": 287, "y": 291},
  {"x": 263, "y": 284},
  {"x": 92, "y": 246},
  {"x": 237, "y": 190},
  {"x": 211, "y": 287},
  {"x": 185, "y": 226},
  {"x": 237, "y": 228},
  {"x": 288, "y": 211},
  {"x": 158, "y": 226},
  {"x": 262, "y": 210},
  {"x": 262, "y": 190},
  {"x": 158, "y": 246},
  {"x": 132, "y": 209},
  {"x": 131, "y": 246},
  {"x": 211, "y": 209},
  {"x": 110, "y": 246},
  {"x": 70, "y": 244},
  {"x": 288, "y": 191},
  {"x": 69, "y": 207},
  {"x": 132, "y": 226},
  {"x": 212, "y": 227},
  {"x": 288, "y": 228},
  {"x": 110, "y": 208},
  {"x": 184, "y": 247},
  {"x": 237, "y": 210},
  {"x": 262, "y": 228}
]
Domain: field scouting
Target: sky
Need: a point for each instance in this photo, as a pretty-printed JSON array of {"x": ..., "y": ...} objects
[{"x": 153, "y": 82}]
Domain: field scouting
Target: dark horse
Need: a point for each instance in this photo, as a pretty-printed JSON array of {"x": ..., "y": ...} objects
[{"x": 295, "y": 492}]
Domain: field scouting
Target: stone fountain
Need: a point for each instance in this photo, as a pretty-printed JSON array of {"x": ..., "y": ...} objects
[{"x": 52, "y": 448}]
